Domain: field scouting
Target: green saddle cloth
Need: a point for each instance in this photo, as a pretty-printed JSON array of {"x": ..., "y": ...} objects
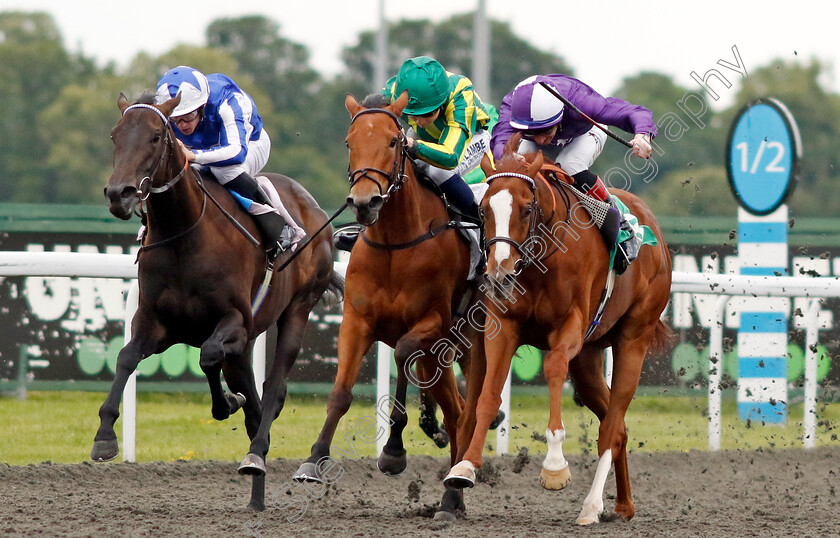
[{"x": 648, "y": 238}]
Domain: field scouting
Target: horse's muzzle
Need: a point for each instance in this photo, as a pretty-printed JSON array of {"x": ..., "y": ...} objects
[
  {"x": 122, "y": 199},
  {"x": 366, "y": 208},
  {"x": 500, "y": 284}
]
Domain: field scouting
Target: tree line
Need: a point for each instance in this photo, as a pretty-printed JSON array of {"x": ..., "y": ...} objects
[{"x": 59, "y": 108}]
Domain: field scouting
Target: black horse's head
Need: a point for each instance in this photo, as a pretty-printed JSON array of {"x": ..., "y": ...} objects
[{"x": 142, "y": 141}]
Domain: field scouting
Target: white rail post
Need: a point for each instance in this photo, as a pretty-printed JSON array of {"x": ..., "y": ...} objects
[
  {"x": 258, "y": 356},
  {"x": 383, "y": 391},
  {"x": 608, "y": 366},
  {"x": 716, "y": 372},
  {"x": 809, "y": 435},
  {"x": 130, "y": 390}
]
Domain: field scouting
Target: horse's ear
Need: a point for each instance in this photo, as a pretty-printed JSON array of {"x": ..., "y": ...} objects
[
  {"x": 398, "y": 105},
  {"x": 512, "y": 144},
  {"x": 122, "y": 102},
  {"x": 536, "y": 165},
  {"x": 487, "y": 165},
  {"x": 170, "y": 105},
  {"x": 352, "y": 106}
]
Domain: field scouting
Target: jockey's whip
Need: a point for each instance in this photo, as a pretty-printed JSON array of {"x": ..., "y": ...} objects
[
  {"x": 311, "y": 237},
  {"x": 568, "y": 103}
]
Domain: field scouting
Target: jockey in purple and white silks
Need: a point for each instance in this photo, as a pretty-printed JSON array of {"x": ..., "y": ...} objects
[
  {"x": 568, "y": 139},
  {"x": 217, "y": 125}
]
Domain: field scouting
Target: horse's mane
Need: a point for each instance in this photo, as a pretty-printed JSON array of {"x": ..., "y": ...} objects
[
  {"x": 512, "y": 162},
  {"x": 147, "y": 98},
  {"x": 375, "y": 100}
]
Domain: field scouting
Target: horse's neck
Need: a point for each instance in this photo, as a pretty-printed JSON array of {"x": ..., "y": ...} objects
[
  {"x": 409, "y": 213},
  {"x": 178, "y": 208}
]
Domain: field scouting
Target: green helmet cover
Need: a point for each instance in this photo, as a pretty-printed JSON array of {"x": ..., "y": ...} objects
[{"x": 426, "y": 82}]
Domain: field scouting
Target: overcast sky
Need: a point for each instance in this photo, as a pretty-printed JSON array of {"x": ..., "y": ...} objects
[{"x": 603, "y": 41}]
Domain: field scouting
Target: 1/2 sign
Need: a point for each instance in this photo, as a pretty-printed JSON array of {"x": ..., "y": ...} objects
[{"x": 762, "y": 155}]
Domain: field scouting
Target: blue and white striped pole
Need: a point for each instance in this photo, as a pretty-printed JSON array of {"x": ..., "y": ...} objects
[{"x": 762, "y": 336}]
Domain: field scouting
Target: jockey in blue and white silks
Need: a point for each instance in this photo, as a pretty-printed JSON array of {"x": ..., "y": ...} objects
[{"x": 217, "y": 125}]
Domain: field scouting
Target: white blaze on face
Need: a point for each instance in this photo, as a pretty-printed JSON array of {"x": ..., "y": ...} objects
[{"x": 501, "y": 204}]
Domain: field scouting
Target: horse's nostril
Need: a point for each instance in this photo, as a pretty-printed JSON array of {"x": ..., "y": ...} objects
[{"x": 376, "y": 203}]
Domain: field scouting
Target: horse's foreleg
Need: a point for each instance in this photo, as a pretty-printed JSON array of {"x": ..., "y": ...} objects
[
  {"x": 239, "y": 375},
  {"x": 147, "y": 337},
  {"x": 499, "y": 351},
  {"x": 228, "y": 338},
  {"x": 612, "y": 436},
  {"x": 354, "y": 339},
  {"x": 555, "y": 473}
]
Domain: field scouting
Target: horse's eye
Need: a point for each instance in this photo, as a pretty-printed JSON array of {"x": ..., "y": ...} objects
[
  {"x": 526, "y": 211},
  {"x": 156, "y": 138},
  {"x": 393, "y": 142}
]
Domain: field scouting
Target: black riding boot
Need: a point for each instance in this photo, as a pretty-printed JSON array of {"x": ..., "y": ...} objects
[{"x": 276, "y": 232}]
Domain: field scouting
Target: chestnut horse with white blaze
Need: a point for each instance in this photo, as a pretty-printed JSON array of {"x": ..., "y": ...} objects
[
  {"x": 198, "y": 277},
  {"x": 548, "y": 269}
]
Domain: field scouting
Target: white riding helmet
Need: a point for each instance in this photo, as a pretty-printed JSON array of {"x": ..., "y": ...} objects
[{"x": 190, "y": 83}]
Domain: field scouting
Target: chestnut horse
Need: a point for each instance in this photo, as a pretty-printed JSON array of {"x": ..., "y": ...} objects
[
  {"x": 198, "y": 276},
  {"x": 406, "y": 273},
  {"x": 548, "y": 269}
]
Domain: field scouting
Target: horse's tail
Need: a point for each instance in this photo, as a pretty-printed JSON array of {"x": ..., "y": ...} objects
[
  {"x": 335, "y": 289},
  {"x": 663, "y": 339}
]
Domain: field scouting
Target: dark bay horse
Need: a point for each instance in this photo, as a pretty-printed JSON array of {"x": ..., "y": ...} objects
[
  {"x": 548, "y": 268},
  {"x": 404, "y": 277},
  {"x": 198, "y": 276}
]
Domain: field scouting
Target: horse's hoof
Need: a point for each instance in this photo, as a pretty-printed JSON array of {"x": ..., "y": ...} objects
[
  {"x": 555, "y": 480},
  {"x": 104, "y": 450},
  {"x": 587, "y": 520},
  {"x": 441, "y": 438},
  {"x": 443, "y": 515},
  {"x": 307, "y": 472},
  {"x": 461, "y": 476},
  {"x": 392, "y": 465},
  {"x": 256, "y": 506},
  {"x": 500, "y": 416},
  {"x": 590, "y": 513},
  {"x": 238, "y": 401},
  {"x": 252, "y": 465}
]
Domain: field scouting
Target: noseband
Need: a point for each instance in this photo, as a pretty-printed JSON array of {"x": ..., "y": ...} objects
[
  {"x": 144, "y": 188},
  {"x": 537, "y": 217},
  {"x": 396, "y": 177}
]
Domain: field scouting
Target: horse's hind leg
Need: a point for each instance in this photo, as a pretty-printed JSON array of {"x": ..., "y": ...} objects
[
  {"x": 290, "y": 329},
  {"x": 229, "y": 338},
  {"x": 144, "y": 342},
  {"x": 392, "y": 460},
  {"x": 429, "y": 422},
  {"x": 612, "y": 435}
]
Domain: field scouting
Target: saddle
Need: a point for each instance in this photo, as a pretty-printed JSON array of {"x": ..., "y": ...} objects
[{"x": 630, "y": 235}]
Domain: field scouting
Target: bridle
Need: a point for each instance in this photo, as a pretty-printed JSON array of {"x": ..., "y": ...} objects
[
  {"x": 397, "y": 176},
  {"x": 144, "y": 188},
  {"x": 537, "y": 217}
]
